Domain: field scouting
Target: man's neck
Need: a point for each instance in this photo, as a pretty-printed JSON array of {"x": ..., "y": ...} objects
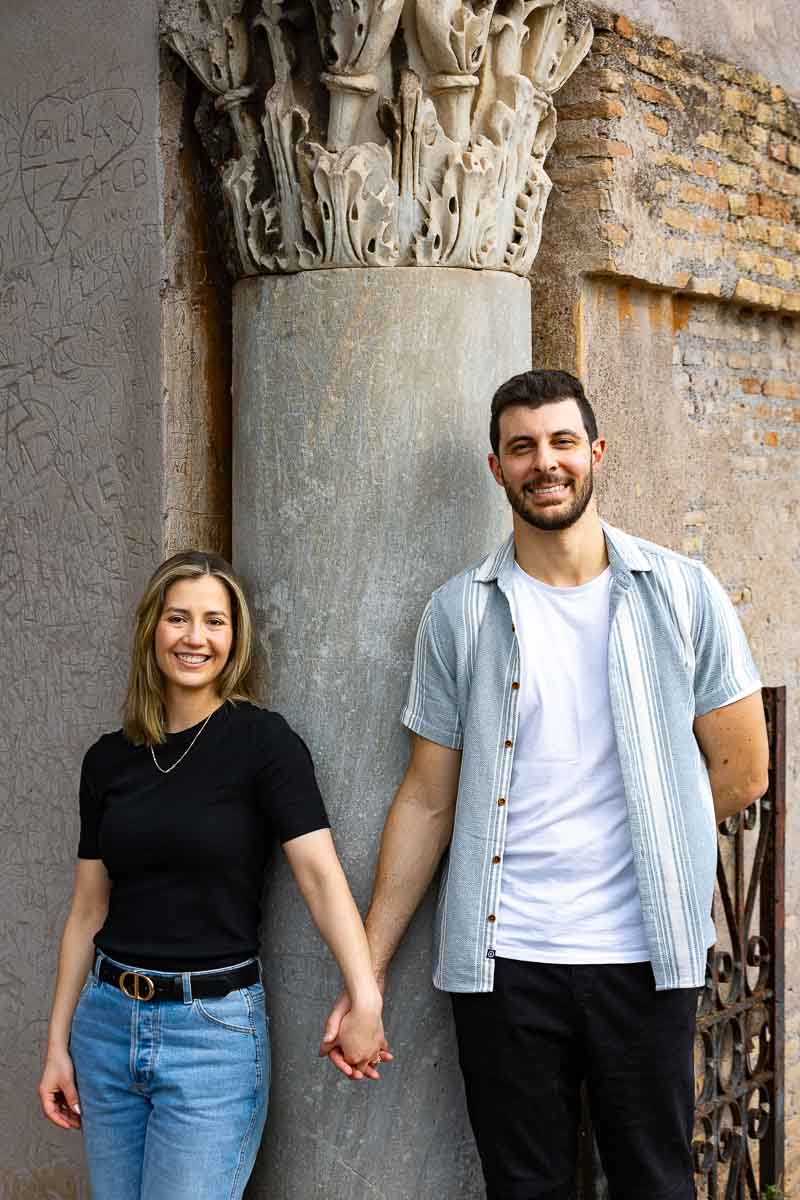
[{"x": 562, "y": 557}]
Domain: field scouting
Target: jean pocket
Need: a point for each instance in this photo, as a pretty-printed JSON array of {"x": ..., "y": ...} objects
[
  {"x": 234, "y": 1011},
  {"x": 88, "y": 985}
]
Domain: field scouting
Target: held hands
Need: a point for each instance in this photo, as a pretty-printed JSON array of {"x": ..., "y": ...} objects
[
  {"x": 353, "y": 1039},
  {"x": 57, "y": 1092}
]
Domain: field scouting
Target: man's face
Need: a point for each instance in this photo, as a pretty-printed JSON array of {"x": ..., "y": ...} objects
[{"x": 545, "y": 463}]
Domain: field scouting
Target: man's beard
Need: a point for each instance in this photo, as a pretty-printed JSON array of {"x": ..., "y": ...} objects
[{"x": 556, "y": 517}]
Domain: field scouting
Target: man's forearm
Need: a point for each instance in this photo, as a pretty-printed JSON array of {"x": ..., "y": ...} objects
[
  {"x": 732, "y": 793},
  {"x": 416, "y": 834}
]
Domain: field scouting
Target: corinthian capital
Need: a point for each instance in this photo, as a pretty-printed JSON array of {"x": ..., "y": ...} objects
[{"x": 345, "y": 161}]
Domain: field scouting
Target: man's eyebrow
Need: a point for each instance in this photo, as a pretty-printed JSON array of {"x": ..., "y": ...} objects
[{"x": 528, "y": 437}]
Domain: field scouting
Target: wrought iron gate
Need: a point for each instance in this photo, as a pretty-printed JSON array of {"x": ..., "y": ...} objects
[{"x": 739, "y": 1129}]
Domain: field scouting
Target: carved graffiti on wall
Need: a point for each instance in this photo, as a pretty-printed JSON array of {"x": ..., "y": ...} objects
[
  {"x": 78, "y": 266},
  {"x": 79, "y": 518},
  {"x": 373, "y": 133}
]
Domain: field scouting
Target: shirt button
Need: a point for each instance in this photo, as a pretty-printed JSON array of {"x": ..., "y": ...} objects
[
  {"x": 513, "y": 627},
  {"x": 491, "y": 917},
  {"x": 496, "y": 859},
  {"x": 514, "y": 685},
  {"x": 509, "y": 744},
  {"x": 501, "y": 800}
]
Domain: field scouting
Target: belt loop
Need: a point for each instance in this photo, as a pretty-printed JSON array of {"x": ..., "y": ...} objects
[
  {"x": 98, "y": 958},
  {"x": 187, "y": 987},
  {"x": 260, "y": 971}
]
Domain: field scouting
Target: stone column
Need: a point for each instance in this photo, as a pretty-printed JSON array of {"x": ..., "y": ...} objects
[
  {"x": 385, "y": 188},
  {"x": 360, "y": 484}
]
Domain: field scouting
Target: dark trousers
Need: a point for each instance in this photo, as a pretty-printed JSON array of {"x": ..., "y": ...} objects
[{"x": 526, "y": 1048}]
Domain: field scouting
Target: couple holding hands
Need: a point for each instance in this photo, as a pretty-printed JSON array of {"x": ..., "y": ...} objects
[{"x": 583, "y": 710}]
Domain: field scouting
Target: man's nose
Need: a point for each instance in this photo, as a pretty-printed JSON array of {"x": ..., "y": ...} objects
[{"x": 543, "y": 458}]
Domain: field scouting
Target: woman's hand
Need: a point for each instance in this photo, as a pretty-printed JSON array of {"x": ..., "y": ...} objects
[
  {"x": 361, "y": 1040},
  {"x": 57, "y": 1091}
]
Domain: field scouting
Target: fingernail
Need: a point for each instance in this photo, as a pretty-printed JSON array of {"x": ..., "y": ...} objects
[{"x": 76, "y": 1108}]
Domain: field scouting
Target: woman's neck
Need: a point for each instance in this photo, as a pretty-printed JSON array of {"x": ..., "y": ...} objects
[{"x": 187, "y": 708}]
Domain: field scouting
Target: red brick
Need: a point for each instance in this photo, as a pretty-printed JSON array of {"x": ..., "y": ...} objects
[
  {"x": 741, "y": 101},
  {"x": 770, "y": 439},
  {"x": 605, "y": 107},
  {"x": 586, "y": 173},
  {"x": 605, "y": 79},
  {"x": 708, "y": 227},
  {"x": 711, "y": 140},
  {"x": 656, "y": 95},
  {"x": 739, "y": 150},
  {"x": 657, "y": 124},
  {"x": 773, "y": 208},
  {"x": 702, "y": 166},
  {"x": 751, "y": 386},
  {"x": 594, "y": 147},
  {"x": 781, "y": 389},
  {"x": 697, "y": 195},
  {"x": 677, "y": 218}
]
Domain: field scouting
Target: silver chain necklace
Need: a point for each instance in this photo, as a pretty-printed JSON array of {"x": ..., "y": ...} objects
[{"x": 166, "y": 770}]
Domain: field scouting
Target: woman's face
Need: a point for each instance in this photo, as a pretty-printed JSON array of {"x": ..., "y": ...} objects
[{"x": 194, "y": 635}]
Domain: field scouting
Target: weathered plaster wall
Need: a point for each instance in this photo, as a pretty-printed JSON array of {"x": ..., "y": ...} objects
[
  {"x": 761, "y": 36},
  {"x": 668, "y": 278},
  {"x": 80, "y": 478}
]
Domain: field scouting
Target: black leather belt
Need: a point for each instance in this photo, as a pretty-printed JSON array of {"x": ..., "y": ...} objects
[{"x": 138, "y": 985}]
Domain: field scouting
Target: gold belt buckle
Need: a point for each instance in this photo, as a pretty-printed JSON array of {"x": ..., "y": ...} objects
[{"x": 136, "y": 994}]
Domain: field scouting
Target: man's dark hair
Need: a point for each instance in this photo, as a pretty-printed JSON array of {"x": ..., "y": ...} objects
[{"x": 532, "y": 389}]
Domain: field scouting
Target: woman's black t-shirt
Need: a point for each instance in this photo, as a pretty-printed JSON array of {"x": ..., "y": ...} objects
[{"x": 186, "y": 851}]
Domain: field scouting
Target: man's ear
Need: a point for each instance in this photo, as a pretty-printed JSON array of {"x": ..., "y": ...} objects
[
  {"x": 494, "y": 467},
  {"x": 598, "y": 452}
]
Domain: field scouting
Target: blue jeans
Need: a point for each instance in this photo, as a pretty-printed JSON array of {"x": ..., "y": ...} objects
[{"x": 173, "y": 1095}]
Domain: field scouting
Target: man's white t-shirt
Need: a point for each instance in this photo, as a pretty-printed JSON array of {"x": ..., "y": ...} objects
[{"x": 569, "y": 891}]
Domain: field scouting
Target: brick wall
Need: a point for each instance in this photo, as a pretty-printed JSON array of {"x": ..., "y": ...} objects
[{"x": 686, "y": 158}]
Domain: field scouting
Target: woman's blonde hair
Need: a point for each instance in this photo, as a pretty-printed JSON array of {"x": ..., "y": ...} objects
[{"x": 144, "y": 712}]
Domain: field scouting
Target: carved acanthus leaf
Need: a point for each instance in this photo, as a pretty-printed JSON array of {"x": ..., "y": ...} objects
[
  {"x": 550, "y": 55},
  {"x": 459, "y": 226},
  {"x": 459, "y": 179},
  {"x": 351, "y": 217}
]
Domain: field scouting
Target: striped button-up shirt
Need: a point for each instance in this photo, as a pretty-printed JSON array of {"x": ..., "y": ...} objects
[{"x": 676, "y": 650}]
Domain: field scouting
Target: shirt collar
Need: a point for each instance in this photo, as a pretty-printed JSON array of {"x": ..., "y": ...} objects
[{"x": 624, "y": 557}]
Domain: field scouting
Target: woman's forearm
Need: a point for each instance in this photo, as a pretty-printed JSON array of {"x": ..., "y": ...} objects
[
  {"x": 334, "y": 911},
  {"x": 324, "y": 887},
  {"x": 74, "y": 960}
]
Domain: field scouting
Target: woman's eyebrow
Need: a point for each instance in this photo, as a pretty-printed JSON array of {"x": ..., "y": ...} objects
[{"x": 211, "y": 612}]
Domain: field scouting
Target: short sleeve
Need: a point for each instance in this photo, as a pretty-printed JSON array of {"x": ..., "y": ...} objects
[
  {"x": 724, "y": 667},
  {"x": 287, "y": 786},
  {"x": 431, "y": 709},
  {"x": 91, "y": 809}
]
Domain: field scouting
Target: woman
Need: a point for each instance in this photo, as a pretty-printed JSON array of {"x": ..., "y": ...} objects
[{"x": 169, "y": 1035}]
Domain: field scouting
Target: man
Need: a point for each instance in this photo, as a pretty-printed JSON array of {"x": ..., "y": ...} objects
[{"x": 584, "y": 710}]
